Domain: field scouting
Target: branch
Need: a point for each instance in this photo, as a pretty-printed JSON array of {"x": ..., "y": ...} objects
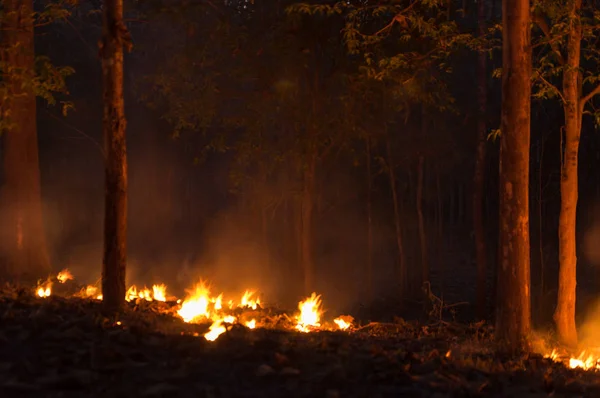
[
  {"x": 552, "y": 86},
  {"x": 543, "y": 25},
  {"x": 401, "y": 19},
  {"x": 590, "y": 95}
]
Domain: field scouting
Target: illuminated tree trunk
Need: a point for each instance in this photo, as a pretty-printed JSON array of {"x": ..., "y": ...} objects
[
  {"x": 564, "y": 316},
  {"x": 479, "y": 177},
  {"x": 114, "y": 37},
  {"x": 513, "y": 311},
  {"x": 402, "y": 282},
  {"x": 306, "y": 219},
  {"x": 25, "y": 242}
]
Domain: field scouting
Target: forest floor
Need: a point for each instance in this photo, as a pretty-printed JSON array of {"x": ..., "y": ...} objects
[{"x": 63, "y": 347}]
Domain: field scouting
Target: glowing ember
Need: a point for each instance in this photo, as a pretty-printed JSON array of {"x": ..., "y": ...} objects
[
  {"x": 64, "y": 275},
  {"x": 310, "y": 313},
  {"x": 215, "y": 330},
  {"x": 251, "y": 324}
]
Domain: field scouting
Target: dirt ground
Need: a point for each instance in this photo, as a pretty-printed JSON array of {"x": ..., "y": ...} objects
[{"x": 59, "y": 347}]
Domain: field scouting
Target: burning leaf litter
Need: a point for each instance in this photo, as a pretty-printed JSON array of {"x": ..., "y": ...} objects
[
  {"x": 200, "y": 305},
  {"x": 60, "y": 346}
]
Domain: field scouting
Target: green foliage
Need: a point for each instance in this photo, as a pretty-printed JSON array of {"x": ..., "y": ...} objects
[
  {"x": 45, "y": 80},
  {"x": 554, "y": 20},
  {"x": 406, "y": 45}
]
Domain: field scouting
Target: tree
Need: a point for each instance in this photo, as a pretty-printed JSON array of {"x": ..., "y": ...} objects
[
  {"x": 513, "y": 314},
  {"x": 568, "y": 34},
  {"x": 480, "y": 163},
  {"x": 24, "y": 76},
  {"x": 114, "y": 37}
]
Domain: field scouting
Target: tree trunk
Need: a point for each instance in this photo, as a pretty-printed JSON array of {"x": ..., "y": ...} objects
[
  {"x": 513, "y": 311},
  {"x": 564, "y": 316},
  {"x": 369, "y": 279},
  {"x": 114, "y": 37},
  {"x": 306, "y": 237},
  {"x": 421, "y": 221},
  {"x": 479, "y": 177},
  {"x": 402, "y": 282},
  {"x": 26, "y": 250},
  {"x": 540, "y": 211}
]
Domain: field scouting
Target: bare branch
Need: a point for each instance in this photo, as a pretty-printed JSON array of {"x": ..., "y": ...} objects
[
  {"x": 552, "y": 86},
  {"x": 590, "y": 95}
]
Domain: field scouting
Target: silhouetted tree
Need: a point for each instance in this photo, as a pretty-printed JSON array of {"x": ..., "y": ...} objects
[{"x": 114, "y": 38}]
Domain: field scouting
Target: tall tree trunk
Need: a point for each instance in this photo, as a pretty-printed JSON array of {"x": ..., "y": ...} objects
[
  {"x": 27, "y": 254},
  {"x": 369, "y": 280},
  {"x": 422, "y": 235},
  {"x": 513, "y": 311},
  {"x": 114, "y": 37},
  {"x": 306, "y": 238},
  {"x": 540, "y": 211},
  {"x": 440, "y": 233},
  {"x": 402, "y": 275},
  {"x": 564, "y": 316},
  {"x": 479, "y": 177}
]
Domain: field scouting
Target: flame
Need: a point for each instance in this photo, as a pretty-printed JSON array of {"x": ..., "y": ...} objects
[
  {"x": 310, "y": 313},
  {"x": 342, "y": 323},
  {"x": 196, "y": 304},
  {"x": 64, "y": 275},
  {"x": 199, "y": 305},
  {"x": 585, "y": 360},
  {"x": 248, "y": 302},
  {"x": 158, "y": 293},
  {"x": 215, "y": 330},
  {"x": 45, "y": 290}
]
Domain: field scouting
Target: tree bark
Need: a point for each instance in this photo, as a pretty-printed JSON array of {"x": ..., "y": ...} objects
[
  {"x": 564, "y": 316},
  {"x": 421, "y": 221},
  {"x": 369, "y": 279},
  {"x": 25, "y": 241},
  {"x": 306, "y": 218},
  {"x": 114, "y": 37},
  {"x": 479, "y": 177},
  {"x": 513, "y": 311},
  {"x": 402, "y": 282}
]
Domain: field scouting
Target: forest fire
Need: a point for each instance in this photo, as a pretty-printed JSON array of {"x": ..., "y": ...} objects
[
  {"x": 200, "y": 305},
  {"x": 586, "y": 360}
]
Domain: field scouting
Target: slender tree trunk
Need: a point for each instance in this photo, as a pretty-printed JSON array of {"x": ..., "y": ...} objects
[
  {"x": 440, "y": 233},
  {"x": 513, "y": 312},
  {"x": 422, "y": 235},
  {"x": 479, "y": 177},
  {"x": 564, "y": 316},
  {"x": 114, "y": 37},
  {"x": 402, "y": 275},
  {"x": 27, "y": 254},
  {"x": 369, "y": 279},
  {"x": 541, "y": 223},
  {"x": 306, "y": 239}
]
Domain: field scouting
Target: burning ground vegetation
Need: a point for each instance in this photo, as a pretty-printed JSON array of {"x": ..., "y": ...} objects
[{"x": 55, "y": 342}]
